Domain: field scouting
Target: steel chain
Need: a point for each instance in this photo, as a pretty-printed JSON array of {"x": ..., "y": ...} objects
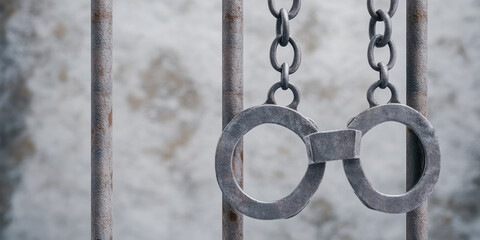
[
  {"x": 283, "y": 38},
  {"x": 387, "y": 34},
  {"x": 380, "y": 41},
  {"x": 391, "y": 10},
  {"x": 284, "y": 78},
  {"x": 291, "y": 14},
  {"x": 283, "y": 27}
]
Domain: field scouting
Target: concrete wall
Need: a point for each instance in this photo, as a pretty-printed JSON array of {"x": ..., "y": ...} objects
[{"x": 167, "y": 119}]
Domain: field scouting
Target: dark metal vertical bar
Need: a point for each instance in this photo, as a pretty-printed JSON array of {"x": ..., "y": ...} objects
[
  {"x": 101, "y": 110},
  {"x": 417, "y": 21},
  {"x": 232, "y": 101}
]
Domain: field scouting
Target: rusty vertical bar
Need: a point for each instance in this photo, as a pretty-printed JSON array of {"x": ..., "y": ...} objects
[
  {"x": 417, "y": 21},
  {"x": 101, "y": 110},
  {"x": 232, "y": 101}
]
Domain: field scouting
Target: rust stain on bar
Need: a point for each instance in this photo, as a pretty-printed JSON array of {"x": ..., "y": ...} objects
[
  {"x": 417, "y": 98},
  {"x": 101, "y": 15},
  {"x": 232, "y": 101},
  {"x": 110, "y": 118},
  {"x": 101, "y": 120}
]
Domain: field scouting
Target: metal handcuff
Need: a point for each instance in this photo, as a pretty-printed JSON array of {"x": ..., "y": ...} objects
[
  {"x": 396, "y": 112},
  {"x": 320, "y": 146},
  {"x": 326, "y": 146}
]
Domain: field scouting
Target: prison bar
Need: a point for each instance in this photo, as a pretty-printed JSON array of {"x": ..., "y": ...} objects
[
  {"x": 101, "y": 117},
  {"x": 417, "y": 80},
  {"x": 232, "y": 102}
]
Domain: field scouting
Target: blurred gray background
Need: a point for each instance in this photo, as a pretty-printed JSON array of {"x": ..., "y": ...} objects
[{"x": 167, "y": 119}]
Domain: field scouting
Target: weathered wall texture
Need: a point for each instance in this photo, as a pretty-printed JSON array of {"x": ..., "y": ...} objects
[
  {"x": 167, "y": 119},
  {"x": 15, "y": 142}
]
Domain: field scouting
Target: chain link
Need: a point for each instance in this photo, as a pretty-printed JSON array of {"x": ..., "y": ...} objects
[
  {"x": 371, "y": 54},
  {"x": 283, "y": 38},
  {"x": 284, "y": 79},
  {"x": 383, "y": 75},
  {"x": 291, "y": 14},
  {"x": 387, "y": 33},
  {"x": 297, "y": 57},
  {"x": 373, "y": 12},
  {"x": 283, "y": 27},
  {"x": 380, "y": 41}
]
